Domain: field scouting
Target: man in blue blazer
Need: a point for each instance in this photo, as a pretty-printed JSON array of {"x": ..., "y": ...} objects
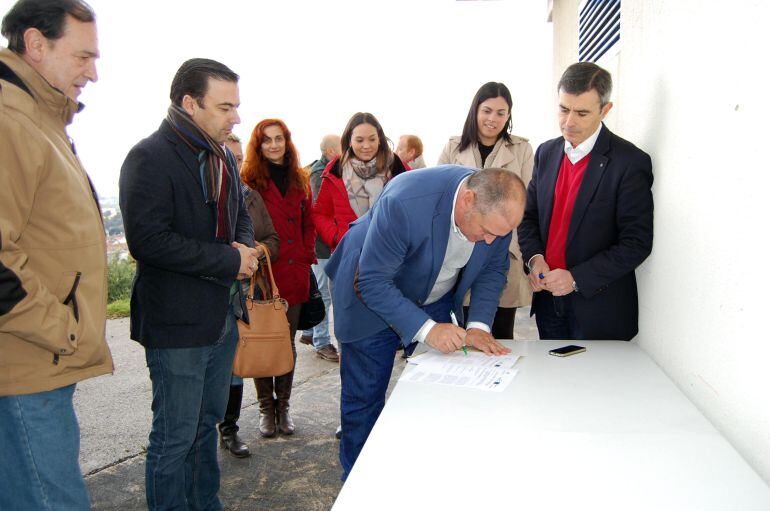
[
  {"x": 588, "y": 220},
  {"x": 401, "y": 269},
  {"x": 189, "y": 231}
]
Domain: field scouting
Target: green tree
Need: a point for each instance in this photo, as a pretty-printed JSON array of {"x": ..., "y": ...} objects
[{"x": 120, "y": 276}]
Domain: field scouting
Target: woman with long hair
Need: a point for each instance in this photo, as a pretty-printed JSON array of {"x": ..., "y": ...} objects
[
  {"x": 271, "y": 168},
  {"x": 487, "y": 142},
  {"x": 352, "y": 183},
  {"x": 264, "y": 232}
]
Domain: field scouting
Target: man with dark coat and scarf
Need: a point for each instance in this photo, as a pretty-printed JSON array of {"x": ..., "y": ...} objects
[{"x": 189, "y": 231}]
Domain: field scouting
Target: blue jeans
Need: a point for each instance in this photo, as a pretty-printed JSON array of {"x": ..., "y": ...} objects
[
  {"x": 39, "y": 448},
  {"x": 190, "y": 388},
  {"x": 320, "y": 332},
  {"x": 365, "y": 369},
  {"x": 555, "y": 318}
]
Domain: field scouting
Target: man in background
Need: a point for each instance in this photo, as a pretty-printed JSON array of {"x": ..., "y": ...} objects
[
  {"x": 228, "y": 428},
  {"x": 233, "y": 142},
  {"x": 410, "y": 151},
  {"x": 319, "y": 336},
  {"x": 53, "y": 290}
]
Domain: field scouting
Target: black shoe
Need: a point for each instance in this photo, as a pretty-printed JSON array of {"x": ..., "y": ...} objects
[
  {"x": 338, "y": 433},
  {"x": 306, "y": 340},
  {"x": 232, "y": 443}
]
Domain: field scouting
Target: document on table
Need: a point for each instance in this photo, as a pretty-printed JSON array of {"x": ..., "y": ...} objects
[{"x": 474, "y": 370}]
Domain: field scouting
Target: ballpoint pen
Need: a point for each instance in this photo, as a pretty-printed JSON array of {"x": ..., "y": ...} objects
[{"x": 465, "y": 349}]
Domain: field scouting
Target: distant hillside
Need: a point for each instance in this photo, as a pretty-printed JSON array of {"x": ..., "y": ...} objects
[{"x": 113, "y": 219}]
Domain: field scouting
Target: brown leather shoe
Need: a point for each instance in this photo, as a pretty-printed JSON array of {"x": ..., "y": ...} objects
[
  {"x": 267, "y": 419},
  {"x": 285, "y": 423},
  {"x": 266, "y": 406},
  {"x": 283, "y": 385},
  {"x": 306, "y": 340},
  {"x": 329, "y": 353}
]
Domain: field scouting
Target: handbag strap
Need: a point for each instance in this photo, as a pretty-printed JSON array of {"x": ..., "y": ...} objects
[
  {"x": 262, "y": 284},
  {"x": 273, "y": 287}
]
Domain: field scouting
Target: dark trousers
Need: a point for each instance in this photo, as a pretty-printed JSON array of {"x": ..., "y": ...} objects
[
  {"x": 189, "y": 397},
  {"x": 555, "y": 317},
  {"x": 229, "y": 425},
  {"x": 365, "y": 369},
  {"x": 502, "y": 326}
]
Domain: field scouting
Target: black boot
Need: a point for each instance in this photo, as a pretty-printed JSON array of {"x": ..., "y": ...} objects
[{"x": 228, "y": 428}]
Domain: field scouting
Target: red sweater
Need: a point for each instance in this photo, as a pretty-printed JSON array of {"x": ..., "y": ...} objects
[{"x": 564, "y": 195}]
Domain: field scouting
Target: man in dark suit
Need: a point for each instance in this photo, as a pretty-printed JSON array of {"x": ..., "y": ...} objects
[
  {"x": 188, "y": 229},
  {"x": 588, "y": 220},
  {"x": 402, "y": 269}
]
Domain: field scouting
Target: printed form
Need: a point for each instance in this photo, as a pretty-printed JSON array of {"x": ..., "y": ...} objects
[{"x": 474, "y": 370}]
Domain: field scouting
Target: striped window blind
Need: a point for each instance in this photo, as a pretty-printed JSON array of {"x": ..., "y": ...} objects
[{"x": 598, "y": 28}]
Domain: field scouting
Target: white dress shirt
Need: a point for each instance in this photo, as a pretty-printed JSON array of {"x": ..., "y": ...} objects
[{"x": 575, "y": 154}]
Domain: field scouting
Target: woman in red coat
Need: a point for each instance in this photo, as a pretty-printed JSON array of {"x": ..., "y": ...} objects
[
  {"x": 272, "y": 169},
  {"x": 352, "y": 182}
]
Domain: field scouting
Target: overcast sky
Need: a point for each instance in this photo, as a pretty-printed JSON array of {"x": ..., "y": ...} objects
[{"x": 414, "y": 64}]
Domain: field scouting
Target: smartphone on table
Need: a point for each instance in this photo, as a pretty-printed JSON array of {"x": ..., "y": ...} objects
[{"x": 566, "y": 351}]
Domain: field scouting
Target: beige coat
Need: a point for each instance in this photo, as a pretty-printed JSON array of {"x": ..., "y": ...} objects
[
  {"x": 519, "y": 159},
  {"x": 52, "y": 244}
]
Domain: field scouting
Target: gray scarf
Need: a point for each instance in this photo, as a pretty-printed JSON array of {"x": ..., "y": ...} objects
[{"x": 363, "y": 183}]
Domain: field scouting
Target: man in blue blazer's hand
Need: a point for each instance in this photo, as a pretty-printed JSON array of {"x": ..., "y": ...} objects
[{"x": 433, "y": 235}]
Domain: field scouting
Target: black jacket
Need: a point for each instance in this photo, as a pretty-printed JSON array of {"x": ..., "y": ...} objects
[
  {"x": 183, "y": 274},
  {"x": 610, "y": 232}
]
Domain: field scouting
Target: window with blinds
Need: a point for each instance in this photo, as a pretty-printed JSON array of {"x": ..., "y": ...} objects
[{"x": 598, "y": 28}]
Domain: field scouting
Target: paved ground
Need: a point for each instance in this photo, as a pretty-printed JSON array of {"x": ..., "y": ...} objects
[{"x": 297, "y": 473}]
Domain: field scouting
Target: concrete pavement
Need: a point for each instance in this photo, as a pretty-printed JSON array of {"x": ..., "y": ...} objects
[{"x": 298, "y": 472}]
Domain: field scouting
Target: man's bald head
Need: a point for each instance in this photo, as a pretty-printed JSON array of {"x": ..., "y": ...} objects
[{"x": 330, "y": 146}]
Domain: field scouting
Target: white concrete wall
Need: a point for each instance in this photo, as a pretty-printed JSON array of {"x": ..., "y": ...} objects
[{"x": 690, "y": 90}]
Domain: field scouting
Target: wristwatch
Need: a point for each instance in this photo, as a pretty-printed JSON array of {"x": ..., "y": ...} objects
[{"x": 574, "y": 286}]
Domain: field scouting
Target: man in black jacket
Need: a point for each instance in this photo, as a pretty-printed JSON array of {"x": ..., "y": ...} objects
[
  {"x": 188, "y": 229},
  {"x": 588, "y": 220}
]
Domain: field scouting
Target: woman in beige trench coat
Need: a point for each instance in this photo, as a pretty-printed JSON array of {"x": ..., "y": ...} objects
[{"x": 487, "y": 142}]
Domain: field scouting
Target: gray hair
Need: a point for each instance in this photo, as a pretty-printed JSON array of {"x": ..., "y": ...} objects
[
  {"x": 328, "y": 141},
  {"x": 496, "y": 189},
  {"x": 232, "y": 137},
  {"x": 584, "y": 76}
]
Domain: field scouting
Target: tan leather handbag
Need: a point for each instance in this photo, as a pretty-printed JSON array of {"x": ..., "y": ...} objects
[{"x": 264, "y": 346}]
